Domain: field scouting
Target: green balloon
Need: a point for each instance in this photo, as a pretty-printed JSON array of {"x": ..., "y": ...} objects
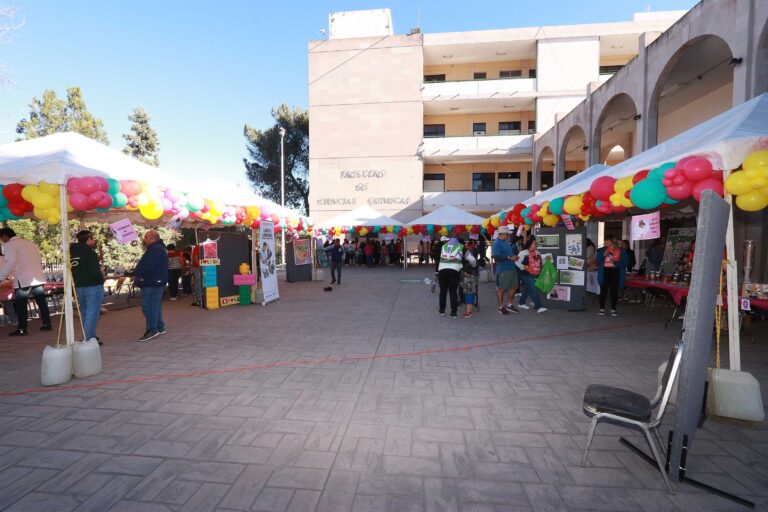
[
  {"x": 658, "y": 173},
  {"x": 114, "y": 186},
  {"x": 648, "y": 194},
  {"x": 119, "y": 200}
]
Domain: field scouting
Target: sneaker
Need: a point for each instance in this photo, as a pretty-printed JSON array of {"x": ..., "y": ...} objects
[
  {"x": 173, "y": 298},
  {"x": 46, "y": 328},
  {"x": 524, "y": 306},
  {"x": 466, "y": 315},
  {"x": 601, "y": 312},
  {"x": 454, "y": 316},
  {"x": 333, "y": 282},
  {"x": 541, "y": 310},
  {"x": 503, "y": 310},
  {"x": 614, "y": 313},
  {"x": 18, "y": 332},
  {"x": 512, "y": 309},
  {"x": 149, "y": 335},
  {"x": 441, "y": 313},
  {"x": 162, "y": 331}
]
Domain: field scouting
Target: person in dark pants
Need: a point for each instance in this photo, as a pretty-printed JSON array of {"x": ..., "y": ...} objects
[
  {"x": 151, "y": 277},
  {"x": 174, "y": 270},
  {"x": 24, "y": 264},
  {"x": 449, "y": 274},
  {"x": 89, "y": 282},
  {"x": 337, "y": 253},
  {"x": 611, "y": 266}
]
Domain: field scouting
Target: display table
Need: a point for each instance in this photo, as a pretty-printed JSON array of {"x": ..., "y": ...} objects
[{"x": 677, "y": 291}]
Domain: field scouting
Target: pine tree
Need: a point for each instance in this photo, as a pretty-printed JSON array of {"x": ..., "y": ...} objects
[
  {"x": 142, "y": 142},
  {"x": 53, "y": 115}
]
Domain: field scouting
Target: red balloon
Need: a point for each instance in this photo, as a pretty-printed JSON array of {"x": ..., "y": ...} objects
[
  {"x": 678, "y": 180},
  {"x": 602, "y": 188},
  {"x": 707, "y": 184},
  {"x": 79, "y": 201},
  {"x": 16, "y": 210},
  {"x": 640, "y": 176},
  {"x": 717, "y": 175},
  {"x": 680, "y": 192},
  {"x": 12, "y": 193},
  {"x": 697, "y": 169}
]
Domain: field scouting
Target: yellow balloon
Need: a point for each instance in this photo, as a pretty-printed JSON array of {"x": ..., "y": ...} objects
[
  {"x": 752, "y": 202},
  {"x": 42, "y": 200},
  {"x": 444, "y": 231},
  {"x": 572, "y": 205},
  {"x": 151, "y": 211},
  {"x": 484, "y": 224},
  {"x": 585, "y": 218},
  {"x": 410, "y": 231},
  {"x": 363, "y": 231},
  {"x": 29, "y": 193},
  {"x": 551, "y": 220},
  {"x": 738, "y": 183},
  {"x": 756, "y": 159},
  {"x": 468, "y": 227},
  {"x": 495, "y": 221},
  {"x": 49, "y": 188}
]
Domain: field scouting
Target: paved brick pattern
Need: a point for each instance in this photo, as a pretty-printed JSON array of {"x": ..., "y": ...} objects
[{"x": 497, "y": 428}]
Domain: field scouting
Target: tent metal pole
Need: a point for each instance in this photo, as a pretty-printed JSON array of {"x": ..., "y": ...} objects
[
  {"x": 732, "y": 282},
  {"x": 69, "y": 327}
]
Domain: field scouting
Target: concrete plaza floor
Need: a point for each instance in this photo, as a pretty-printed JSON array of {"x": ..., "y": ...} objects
[{"x": 281, "y": 427}]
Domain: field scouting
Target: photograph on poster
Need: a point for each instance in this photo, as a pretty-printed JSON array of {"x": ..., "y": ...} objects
[
  {"x": 572, "y": 277},
  {"x": 548, "y": 241},
  {"x": 560, "y": 293},
  {"x": 562, "y": 263},
  {"x": 573, "y": 245},
  {"x": 576, "y": 263}
]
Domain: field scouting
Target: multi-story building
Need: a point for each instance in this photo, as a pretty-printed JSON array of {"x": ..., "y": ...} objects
[{"x": 408, "y": 123}]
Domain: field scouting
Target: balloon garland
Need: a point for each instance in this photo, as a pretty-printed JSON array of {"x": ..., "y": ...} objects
[{"x": 106, "y": 194}]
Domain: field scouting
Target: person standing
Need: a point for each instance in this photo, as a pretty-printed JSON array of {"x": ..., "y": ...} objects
[
  {"x": 531, "y": 268},
  {"x": 469, "y": 285},
  {"x": 89, "y": 282},
  {"x": 151, "y": 277},
  {"x": 6, "y": 292},
  {"x": 24, "y": 263},
  {"x": 655, "y": 255},
  {"x": 174, "y": 270},
  {"x": 337, "y": 253},
  {"x": 449, "y": 274},
  {"x": 197, "y": 275},
  {"x": 611, "y": 265},
  {"x": 504, "y": 254},
  {"x": 186, "y": 272}
]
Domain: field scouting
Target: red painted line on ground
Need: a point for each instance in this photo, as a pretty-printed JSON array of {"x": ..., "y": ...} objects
[{"x": 305, "y": 362}]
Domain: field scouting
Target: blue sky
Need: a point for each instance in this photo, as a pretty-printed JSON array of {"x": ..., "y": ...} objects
[{"x": 203, "y": 69}]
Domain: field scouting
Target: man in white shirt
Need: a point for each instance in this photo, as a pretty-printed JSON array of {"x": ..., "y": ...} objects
[{"x": 23, "y": 262}]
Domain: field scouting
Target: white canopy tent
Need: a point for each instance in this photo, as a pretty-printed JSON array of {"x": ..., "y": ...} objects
[
  {"x": 566, "y": 187},
  {"x": 363, "y": 216},
  {"x": 448, "y": 216}
]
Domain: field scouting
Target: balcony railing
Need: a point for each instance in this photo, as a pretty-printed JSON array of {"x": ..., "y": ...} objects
[
  {"x": 480, "y": 145},
  {"x": 465, "y": 89},
  {"x": 476, "y": 201}
]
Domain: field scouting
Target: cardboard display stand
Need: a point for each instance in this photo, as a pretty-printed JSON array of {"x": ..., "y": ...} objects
[
  {"x": 232, "y": 250},
  {"x": 569, "y": 247},
  {"x": 298, "y": 259}
]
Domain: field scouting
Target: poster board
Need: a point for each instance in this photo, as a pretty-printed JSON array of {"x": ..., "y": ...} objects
[
  {"x": 567, "y": 250},
  {"x": 229, "y": 251},
  {"x": 678, "y": 244},
  {"x": 268, "y": 258},
  {"x": 298, "y": 258}
]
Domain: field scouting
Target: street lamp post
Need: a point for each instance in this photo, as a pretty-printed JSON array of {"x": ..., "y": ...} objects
[{"x": 282, "y": 188}]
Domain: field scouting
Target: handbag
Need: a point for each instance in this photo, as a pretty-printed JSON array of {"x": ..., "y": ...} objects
[{"x": 547, "y": 278}]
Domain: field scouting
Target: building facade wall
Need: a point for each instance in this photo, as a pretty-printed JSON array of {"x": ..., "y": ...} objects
[
  {"x": 366, "y": 114},
  {"x": 461, "y": 125}
]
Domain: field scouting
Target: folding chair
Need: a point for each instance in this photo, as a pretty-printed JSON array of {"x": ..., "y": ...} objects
[{"x": 631, "y": 409}]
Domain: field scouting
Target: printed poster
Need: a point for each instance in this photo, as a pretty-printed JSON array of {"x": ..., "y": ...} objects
[
  {"x": 268, "y": 261},
  {"x": 562, "y": 263},
  {"x": 572, "y": 277},
  {"x": 210, "y": 250},
  {"x": 592, "y": 285},
  {"x": 573, "y": 245},
  {"x": 560, "y": 293},
  {"x": 548, "y": 241},
  {"x": 575, "y": 263},
  {"x": 678, "y": 244},
  {"x": 567, "y": 221},
  {"x": 646, "y": 227},
  {"x": 302, "y": 255},
  {"x": 123, "y": 231}
]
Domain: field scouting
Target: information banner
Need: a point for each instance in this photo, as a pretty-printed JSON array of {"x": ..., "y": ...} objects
[
  {"x": 268, "y": 265},
  {"x": 646, "y": 227},
  {"x": 302, "y": 255},
  {"x": 124, "y": 231},
  {"x": 678, "y": 244}
]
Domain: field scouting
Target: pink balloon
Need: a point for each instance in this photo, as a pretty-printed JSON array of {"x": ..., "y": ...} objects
[
  {"x": 103, "y": 184},
  {"x": 105, "y": 201},
  {"x": 670, "y": 173},
  {"x": 79, "y": 201},
  {"x": 678, "y": 180},
  {"x": 73, "y": 185},
  {"x": 167, "y": 205},
  {"x": 172, "y": 195},
  {"x": 196, "y": 214},
  {"x": 717, "y": 175},
  {"x": 96, "y": 197},
  {"x": 602, "y": 188},
  {"x": 88, "y": 185},
  {"x": 707, "y": 184},
  {"x": 680, "y": 192},
  {"x": 697, "y": 169},
  {"x": 667, "y": 182}
]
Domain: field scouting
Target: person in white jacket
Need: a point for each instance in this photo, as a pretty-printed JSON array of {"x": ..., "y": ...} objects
[{"x": 23, "y": 262}]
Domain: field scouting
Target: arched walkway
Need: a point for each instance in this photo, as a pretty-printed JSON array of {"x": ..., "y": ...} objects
[
  {"x": 573, "y": 155},
  {"x": 616, "y": 127},
  {"x": 546, "y": 167}
]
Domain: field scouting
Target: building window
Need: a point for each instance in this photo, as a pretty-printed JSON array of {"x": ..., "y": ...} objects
[
  {"x": 509, "y": 128},
  {"x": 570, "y": 174},
  {"x": 531, "y": 73},
  {"x": 434, "y": 78},
  {"x": 434, "y": 182},
  {"x": 434, "y": 130},
  {"x": 531, "y": 127},
  {"x": 480, "y": 76},
  {"x": 483, "y": 182},
  {"x": 509, "y": 181},
  {"x": 478, "y": 129},
  {"x": 514, "y": 73},
  {"x": 547, "y": 179},
  {"x": 609, "y": 70}
]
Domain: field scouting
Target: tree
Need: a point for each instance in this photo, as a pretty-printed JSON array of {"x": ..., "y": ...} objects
[
  {"x": 53, "y": 115},
  {"x": 263, "y": 168},
  {"x": 142, "y": 142}
]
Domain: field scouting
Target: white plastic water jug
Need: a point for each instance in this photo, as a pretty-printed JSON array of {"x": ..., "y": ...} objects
[
  {"x": 57, "y": 365},
  {"x": 86, "y": 358}
]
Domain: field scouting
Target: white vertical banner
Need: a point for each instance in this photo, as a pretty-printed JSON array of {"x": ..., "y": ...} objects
[{"x": 268, "y": 261}]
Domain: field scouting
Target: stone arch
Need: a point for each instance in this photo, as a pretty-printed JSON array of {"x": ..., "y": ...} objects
[
  {"x": 573, "y": 155},
  {"x": 696, "y": 84},
  {"x": 761, "y": 63},
  {"x": 545, "y": 167},
  {"x": 616, "y": 126}
]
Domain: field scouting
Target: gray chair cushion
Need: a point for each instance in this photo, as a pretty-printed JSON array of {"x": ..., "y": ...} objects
[{"x": 621, "y": 402}]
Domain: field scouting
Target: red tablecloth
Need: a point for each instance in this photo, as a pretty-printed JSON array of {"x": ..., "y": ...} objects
[
  {"x": 7, "y": 294},
  {"x": 675, "y": 290}
]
